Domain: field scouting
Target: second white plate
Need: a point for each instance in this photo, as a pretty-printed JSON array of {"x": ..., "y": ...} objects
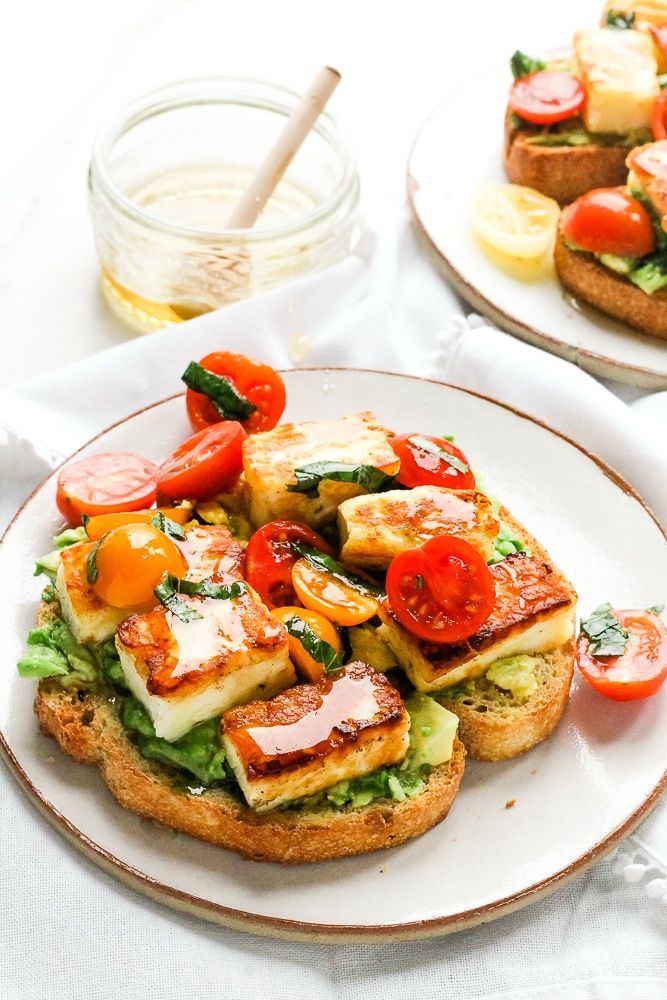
[{"x": 458, "y": 149}]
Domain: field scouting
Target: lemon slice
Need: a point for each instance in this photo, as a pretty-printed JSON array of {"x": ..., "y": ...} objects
[{"x": 515, "y": 220}]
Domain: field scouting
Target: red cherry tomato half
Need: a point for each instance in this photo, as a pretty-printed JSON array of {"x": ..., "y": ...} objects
[
  {"x": 659, "y": 117},
  {"x": 546, "y": 97},
  {"x": 260, "y": 384},
  {"x": 206, "y": 464},
  {"x": 442, "y": 591},
  {"x": 640, "y": 671},
  {"x": 422, "y": 467},
  {"x": 269, "y": 559},
  {"x": 103, "y": 484},
  {"x": 607, "y": 220}
]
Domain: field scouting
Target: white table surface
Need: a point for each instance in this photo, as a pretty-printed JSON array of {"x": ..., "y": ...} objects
[{"x": 66, "y": 66}]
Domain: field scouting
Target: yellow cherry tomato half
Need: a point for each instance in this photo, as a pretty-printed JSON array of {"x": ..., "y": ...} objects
[
  {"x": 307, "y": 667},
  {"x": 320, "y": 591},
  {"x": 131, "y": 561},
  {"x": 101, "y": 523},
  {"x": 514, "y": 220}
]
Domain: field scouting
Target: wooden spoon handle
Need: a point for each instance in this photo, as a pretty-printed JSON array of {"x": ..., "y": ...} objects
[{"x": 281, "y": 154}]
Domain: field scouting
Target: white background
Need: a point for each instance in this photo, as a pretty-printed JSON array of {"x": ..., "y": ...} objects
[{"x": 66, "y": 65}]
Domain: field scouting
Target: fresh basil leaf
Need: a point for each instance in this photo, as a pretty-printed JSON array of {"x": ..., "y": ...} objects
[
  {"x": 221, "y": 391},
  {"x": 619, "y": 19},
  {"x": 320, "y": 560},
  {"x": 320, "y": 650},
  {"x": 656, "y": 609},
  {"x": 448, "y": 437},
  {"x": 166, "y": 525},
  {"x": 523, "y": 65},
  {"x": 166, "y": 594},
  {"x": 206, "y": 588},
  {"x": 92, "y": 571},
  {"x": 309, "y": 477},
  {"x": 604, "y": 630},
  {"x": 421, "y": 442}
]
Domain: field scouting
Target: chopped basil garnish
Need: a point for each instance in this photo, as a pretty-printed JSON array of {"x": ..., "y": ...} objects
[
  {"x": 206, "y": 588},
  {"x": 421, "y": 442},
  {"x": 92, "y": 572},
  {"x": 320, "y": 650},
  {"x": 656, "y": 609},
  {"x": 419, "y": 581},
  {"x": 662, "y": 80},
  {"x": 221, "y": 391},
  {"x": 320, "y": 560},
  {"x": 166, "y": 594},
  {"x": 309, "y": 477},
  {"x": 620, "y": 19},
  {"x": 169, "y": 527},
  {"x": 604, "y": 630},
  {"x": 448, "y": 437},
  {"x": 522, "y": 65}
]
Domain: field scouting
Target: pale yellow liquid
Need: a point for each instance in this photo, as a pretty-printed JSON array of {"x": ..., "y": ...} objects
[{"x": 200, "y": 198}]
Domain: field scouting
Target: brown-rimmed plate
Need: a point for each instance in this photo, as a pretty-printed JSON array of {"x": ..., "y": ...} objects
[
  {"x": 460, "y": 148},
  {"x": 574, "y": 796}
]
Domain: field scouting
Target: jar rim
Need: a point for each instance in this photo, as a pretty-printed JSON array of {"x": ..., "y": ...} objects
[{"x": 200, "y": 91}]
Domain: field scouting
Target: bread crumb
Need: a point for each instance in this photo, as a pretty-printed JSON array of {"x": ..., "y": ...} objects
[
  {"x": 510, "y": 803},
  {"x": 534, "y": 771}
]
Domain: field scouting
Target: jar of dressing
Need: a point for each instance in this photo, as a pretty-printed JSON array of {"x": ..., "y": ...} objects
[{"x": 165, "y": 175}]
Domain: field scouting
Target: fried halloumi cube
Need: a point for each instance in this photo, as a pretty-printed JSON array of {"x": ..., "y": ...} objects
[
  {"x": 375, "y": 528},
  {"x": 618, "y": 70},
  {"x": 534, "y": 612},
  {"x": 89, "y": 618},
  {"x": 185, "y": 672},
  {"x": 315, "y": 735},
  {"x": 208, "y": 549},
  {"x": 269, "y": 461}
]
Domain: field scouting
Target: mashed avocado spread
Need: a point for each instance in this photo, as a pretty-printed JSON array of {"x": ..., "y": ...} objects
[{"x": 515, "y": 674}]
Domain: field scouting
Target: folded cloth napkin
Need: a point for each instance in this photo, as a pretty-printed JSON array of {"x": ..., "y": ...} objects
[{"x": 582, "y": 943}]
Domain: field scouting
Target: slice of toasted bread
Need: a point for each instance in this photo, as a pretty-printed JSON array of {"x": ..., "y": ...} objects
[
  {"x": 561, "y": 172},
  {"x": 611, "y": 293},
  {"x": 87, "y": 727},
  {"x": 493, "y": 724}
]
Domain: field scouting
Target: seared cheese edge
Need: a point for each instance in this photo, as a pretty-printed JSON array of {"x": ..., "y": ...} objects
[
  {"x": 174, "y": 716},
  {"x": 359, "y": 758},
  {"x": 538, "y": 637}
]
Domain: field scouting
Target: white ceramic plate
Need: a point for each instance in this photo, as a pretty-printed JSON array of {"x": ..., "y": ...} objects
[
  {"x": 460, "y": 148},
  {"x": 576, "y": 794}
]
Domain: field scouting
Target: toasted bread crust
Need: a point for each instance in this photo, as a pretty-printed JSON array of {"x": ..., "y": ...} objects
[
  {"x": 90, "y": 731},
  {"x": 561, "y": 172},
  {"x": 494, "y": 731},
  {"x": 610, "y": 293}
]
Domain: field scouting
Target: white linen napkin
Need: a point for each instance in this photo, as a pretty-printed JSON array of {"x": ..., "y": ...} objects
[{"x": 581, "y": 943}]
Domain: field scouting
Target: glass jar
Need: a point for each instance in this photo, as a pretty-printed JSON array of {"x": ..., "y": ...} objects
[{"x": 165, "y": 175}]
